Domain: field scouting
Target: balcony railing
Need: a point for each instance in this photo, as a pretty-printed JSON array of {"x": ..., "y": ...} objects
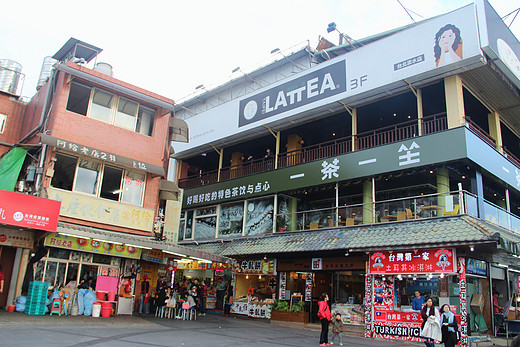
[
  {"x": 316, "y": 152},
  {"x": 418, "y": 207}
]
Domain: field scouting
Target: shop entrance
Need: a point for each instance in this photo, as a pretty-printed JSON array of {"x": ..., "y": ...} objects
[
  {"x": 7, "y": 255},
  {"x": 322, "y": 284}
]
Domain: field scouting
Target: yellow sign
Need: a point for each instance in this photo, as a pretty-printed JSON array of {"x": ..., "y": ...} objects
[
  {"x": 92, "y": 246},
  {"x": 103, "y": 211}
]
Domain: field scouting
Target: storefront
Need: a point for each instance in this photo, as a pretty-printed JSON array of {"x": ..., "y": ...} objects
[
  {"x": 342, "y": 278},
  {"x": 394, "y": 277},
  {"x": 255, "y": 287}
]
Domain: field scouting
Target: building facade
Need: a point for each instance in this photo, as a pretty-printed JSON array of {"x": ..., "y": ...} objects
[{"x": 354, "y": 167}]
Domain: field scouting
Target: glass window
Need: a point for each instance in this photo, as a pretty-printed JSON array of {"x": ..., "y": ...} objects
[
  {"x": 38, "y": 271},
  {"x": 206, "y": 211},
  {"x": 64, "y": 170},
  {"x": 101, "y": 259},
  {"x": 79, "y": 96},
  {"x": 126, "y": 114},
  {"x": 111, "y": 183},
  {"x": 145, "y": 120},
  {"x": 230, "y": 221},
  {"x": 101, "y": 103},
  {"x": 205, "y": 228},
  {"x": 133, "y": 187},
  {"x": 3, "y": 120},
  {"x": 259, "y": 217},
  {"x": 59, "y": 253},
  {"x": 72, "y": 273},
  {"x": 87, "y": 176},
  {"x": 50, "y": 272},
  {"x": 189, "y": 225},
  {"x": 182, "y": 222}
]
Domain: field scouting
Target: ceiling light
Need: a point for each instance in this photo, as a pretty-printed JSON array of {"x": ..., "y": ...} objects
[
  {"x": 115, "y": 243},
  {"x": 471, "y": 248},
  {"x": 177, "y": 254},
  {"x": 79, "y": 237},
  {"x": 143, "y": 247}
]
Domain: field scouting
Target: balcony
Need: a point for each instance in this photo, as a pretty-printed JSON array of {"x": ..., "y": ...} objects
[{"x": 398, "y": 210}]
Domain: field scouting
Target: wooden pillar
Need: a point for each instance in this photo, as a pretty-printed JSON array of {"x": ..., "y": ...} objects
[
  {"x": 495, "y": 131},
  {"x": 418, "y": 94},
  {"x": 237, "y": 159},
  {"x": 294, "y": 145},
  {"x": 354, "y": 129},
  {"x": 368, "y": 202},
  {"x": 454, "y": 101},
  {"x": 443, "y": 186}
]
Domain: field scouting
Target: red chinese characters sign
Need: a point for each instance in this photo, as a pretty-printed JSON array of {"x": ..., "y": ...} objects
[
  {"x": 28, "y": 211},
  {"x": 419, "y": 261},
  {"x": 398, "y": 325}
]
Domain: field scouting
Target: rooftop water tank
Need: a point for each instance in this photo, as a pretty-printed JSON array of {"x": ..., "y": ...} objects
[
  {"x": 104, "y": 68},
  {"x": 10, "y": 73},
  {"x": 45, "y": 72}
]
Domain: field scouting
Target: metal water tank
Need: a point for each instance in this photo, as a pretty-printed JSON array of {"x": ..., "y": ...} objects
[
  {"x": 104, "y": 68},
  {"x": 45, "y": 72},
  {"x": 10, "y": 73}
]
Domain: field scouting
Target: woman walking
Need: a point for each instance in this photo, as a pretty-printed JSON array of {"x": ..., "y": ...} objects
[
  {"x": 431, "y": 326},
  {"x": 325, "y": 316},
  {"x": 449, "y": 326}
]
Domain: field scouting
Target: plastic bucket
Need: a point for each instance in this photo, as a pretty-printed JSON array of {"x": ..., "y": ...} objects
[
  {"x": 105, "y": 312},
  {"x": 101, "y": 296},
  {"x": 74, "y": 310},
  {"x": 96, "y": 309},
  {"x": 11, "y": 308},
  {"x": 111, "y": 296}
]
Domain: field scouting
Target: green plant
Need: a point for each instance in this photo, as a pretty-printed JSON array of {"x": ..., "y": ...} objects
[
  {"x": 280, "y": 305},
  {"x": 298, "y": 307},
  {"x": 282, "y": 221}
]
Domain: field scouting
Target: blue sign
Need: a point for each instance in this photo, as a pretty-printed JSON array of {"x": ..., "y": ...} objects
[{"x": 476, "y": 267}]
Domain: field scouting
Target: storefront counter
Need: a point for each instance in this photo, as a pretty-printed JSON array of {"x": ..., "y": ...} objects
[
  {"x": 350, "y": 313},
  {"x": 255, "y": 309},
  {"x": 397, "y": 325}
]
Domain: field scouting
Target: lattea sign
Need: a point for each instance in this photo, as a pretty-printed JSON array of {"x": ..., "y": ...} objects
[
  {"x": 28, "y": 211},
  {"x": 418, "y": 261}
]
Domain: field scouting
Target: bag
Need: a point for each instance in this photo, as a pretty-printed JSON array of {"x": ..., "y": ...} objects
[{"x": 185, "y": 306}]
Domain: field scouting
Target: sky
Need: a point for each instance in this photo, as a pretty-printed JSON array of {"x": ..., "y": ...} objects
[{"x": 170, "y": 47}]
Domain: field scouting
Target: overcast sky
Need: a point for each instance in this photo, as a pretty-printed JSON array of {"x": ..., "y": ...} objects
[{"x": 170, "y": 47}]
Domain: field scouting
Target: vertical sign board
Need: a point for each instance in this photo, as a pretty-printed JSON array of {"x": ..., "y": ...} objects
[
  {"x": 463, "y": 303},
  {"x": 308, "y": 287},
  {"x": 368, "y": 305},
  {"x": 283, "y": 284}
]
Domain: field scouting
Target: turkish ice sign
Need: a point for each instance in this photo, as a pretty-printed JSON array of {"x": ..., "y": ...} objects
[
  {"x": 417, "y": 261},
  {"x": 318, "y": 84},
  {"x": 28, "y": 211}
]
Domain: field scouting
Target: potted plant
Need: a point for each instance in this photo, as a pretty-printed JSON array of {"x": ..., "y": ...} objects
[
  {"x": 281, "y": 311},
  {"x": 281, "y": 222}
]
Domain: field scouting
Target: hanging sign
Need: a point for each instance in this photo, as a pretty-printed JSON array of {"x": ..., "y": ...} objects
[
  {"x": 416, "y": 262},
  {"x": 308, "y": 287}
]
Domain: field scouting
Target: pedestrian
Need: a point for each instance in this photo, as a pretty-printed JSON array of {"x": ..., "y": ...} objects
[
  {"x": 337, "y": 328},
  {"x": 203, "y": 296},
  {"x": 325, "y": 317},
  {"x": 431, "y": 326},
  {"x": 449, "y": 326},
  {"x": 221, "y": 291},
  {"x": 145, "y": 296},
  {"x": 2, "y": 279},
  {"x": 418, "y": 301},
  {"x": 228, "y": 300}
]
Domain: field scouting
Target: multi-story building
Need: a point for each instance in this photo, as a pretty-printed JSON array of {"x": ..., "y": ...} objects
[
  {"x": 367, "y": 171},
  {"x": 98, "y": 150}
]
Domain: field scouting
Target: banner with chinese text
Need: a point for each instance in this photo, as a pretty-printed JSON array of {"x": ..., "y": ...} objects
[
  {"x": 92, "y": 246},
  {"x": 417, "y": 261}
]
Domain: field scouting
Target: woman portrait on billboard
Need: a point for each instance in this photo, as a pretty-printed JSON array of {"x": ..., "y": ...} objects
[{"x": 448, "y": 45}]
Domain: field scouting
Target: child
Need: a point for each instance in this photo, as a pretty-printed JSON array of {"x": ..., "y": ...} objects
[{"x": 337, "y": 328}]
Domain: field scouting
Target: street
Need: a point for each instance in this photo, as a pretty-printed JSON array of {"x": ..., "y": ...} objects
[{"x": 17, "y": 329}]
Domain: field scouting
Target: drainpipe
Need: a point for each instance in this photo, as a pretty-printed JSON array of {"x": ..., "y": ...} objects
[{"x": 43, "y": 118}]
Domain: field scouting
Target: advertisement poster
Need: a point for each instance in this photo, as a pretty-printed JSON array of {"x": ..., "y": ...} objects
[
  {"x": 368, "y": 305},
  {"x": 416, "y": 261},
  {"x": 383, "y": 293},
  {"x": 92, "y": 246},
  {"x": 398, "y": 325}
]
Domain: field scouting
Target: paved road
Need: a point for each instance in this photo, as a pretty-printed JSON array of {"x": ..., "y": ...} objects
[{"x": 17, "y": 329}]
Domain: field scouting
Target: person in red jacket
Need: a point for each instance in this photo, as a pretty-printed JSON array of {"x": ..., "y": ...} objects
[{"x": 325, "y": 316}]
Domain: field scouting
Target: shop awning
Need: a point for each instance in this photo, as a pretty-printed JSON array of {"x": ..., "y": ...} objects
[
  {"x": 446, "y": 231},
  {"x": 138, "y": 241}
]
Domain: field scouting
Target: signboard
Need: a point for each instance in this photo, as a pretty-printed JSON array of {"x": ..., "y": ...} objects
[
  {"x": 102, "y": 211},
  {"x": 283, "y": 285},
  {"x": 464, "y": 341},
  {"x": 302, "y": 90},
  {"x": 195, "y": 265},
  {"x": 252, "y": 309},
  {"x": 28, "y": 211},
  {"x": 476, "y": 267},
  {"x": 414, "y": 262},
  {"x": 417, "y": 152},
  {"x": 16, "y": 238},
  {"x": 308, "y": 287},
  {"x": 398, "y": 325},
  {"x": 317, "y": 264},
  {"x": 262, "y": 267},
  {"x": 100, "y": 155},
  {"x": 92, "y": 246},
  {"x": 383, "y": 293},
  {"x": 153, "y": 255}
]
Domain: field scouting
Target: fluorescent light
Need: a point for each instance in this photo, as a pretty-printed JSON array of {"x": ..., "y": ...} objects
[
  {"x": 177, "y": 254},
  {"x": 115, "y": 243},
  {"x": 144, "y": 247},
  {"x": 79, "y": 237},
  {"x": 185, "y": 260},
  {"x": 502, "y": 265},
  {"x": 200, "y": 259}
]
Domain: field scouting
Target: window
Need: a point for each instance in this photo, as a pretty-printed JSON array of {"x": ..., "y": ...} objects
[
  {"x": 259, "y": 217},
  {"x": 86, "y": 176},
  {"x": 205, "y": 223},
  {"x": 3, "y": 121},
  {"x": 110, "y": 108},
  {"x": 231, "y": 220}
]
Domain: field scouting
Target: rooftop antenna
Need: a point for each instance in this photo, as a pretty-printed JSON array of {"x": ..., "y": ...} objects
[
  {"x": 332, "y": 27},
  {"x": 510, "y": 13},
  {"x": 408, "y": 12}
]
